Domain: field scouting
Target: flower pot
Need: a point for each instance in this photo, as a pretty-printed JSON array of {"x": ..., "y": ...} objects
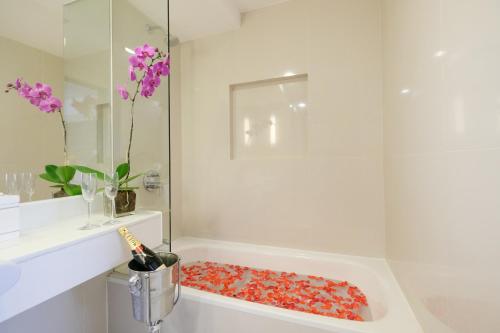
[{"x": 124, "y": 204}]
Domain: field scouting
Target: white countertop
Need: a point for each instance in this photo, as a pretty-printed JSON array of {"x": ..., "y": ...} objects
[
  {"x": 7, "y": 201},
  {"x": 54, "y": 256},
  {"x": 36, "y": 242}
]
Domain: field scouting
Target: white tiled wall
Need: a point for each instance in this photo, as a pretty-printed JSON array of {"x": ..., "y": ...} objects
[
  {"x": 269, "y": 118},
  {"x": 442, "y": 140},
  {"x": 330, "y": 199}
]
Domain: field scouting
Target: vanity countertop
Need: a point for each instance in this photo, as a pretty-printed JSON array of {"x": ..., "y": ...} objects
[
  {"x": 53, "y": 258},
  {"x": 60, "y": 234},
  {"x": 7, "y": 201}
]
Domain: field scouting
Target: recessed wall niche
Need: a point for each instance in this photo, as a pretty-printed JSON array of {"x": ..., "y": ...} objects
[{"x": 269, "y": 118}]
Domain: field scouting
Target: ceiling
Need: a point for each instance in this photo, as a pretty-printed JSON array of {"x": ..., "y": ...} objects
[
  {"x": 39, "y": 23},
  {"x": 192, "y": 19}
]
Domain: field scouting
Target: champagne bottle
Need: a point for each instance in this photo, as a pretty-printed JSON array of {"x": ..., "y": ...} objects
[{"x": 144, "y": 256}]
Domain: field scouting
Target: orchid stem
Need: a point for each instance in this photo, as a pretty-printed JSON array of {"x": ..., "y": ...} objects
[
  {"x": 132, "y": 115},
  {"x": 63, "y": 122},
  {"x": 132, "y": 124}
]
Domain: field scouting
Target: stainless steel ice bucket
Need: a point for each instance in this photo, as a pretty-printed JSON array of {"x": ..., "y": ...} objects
[{"x": 154, "y": 293}]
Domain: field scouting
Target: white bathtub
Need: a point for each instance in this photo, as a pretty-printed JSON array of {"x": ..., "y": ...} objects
[{"x": 202, "y": 312}]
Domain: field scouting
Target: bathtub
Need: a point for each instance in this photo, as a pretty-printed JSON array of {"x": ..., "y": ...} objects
[{"x": 203, "y": 312}]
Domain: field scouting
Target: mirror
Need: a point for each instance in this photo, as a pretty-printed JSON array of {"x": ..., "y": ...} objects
[
  {"x": 53, "y": 43},
  {"x": 62, "y": 113}
]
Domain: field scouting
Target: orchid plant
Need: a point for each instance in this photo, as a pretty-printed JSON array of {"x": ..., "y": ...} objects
[
  {"x": 146, "y": 67},
  {"x": 40, "y": 95}
]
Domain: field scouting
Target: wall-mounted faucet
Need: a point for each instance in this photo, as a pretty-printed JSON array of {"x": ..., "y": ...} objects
[{"x": 152, "y": 181}]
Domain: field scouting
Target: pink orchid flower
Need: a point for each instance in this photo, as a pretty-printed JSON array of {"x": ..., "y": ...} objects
[
  {"x": 153, "y": 64},
  {"x": 131, "y": 73},
  {"x": 24, "y": 90},
  {"x": 145, "y": 51},
  {"x": 123, "y": 92},
  {"x": 147, "y": 65},
  {"x": 137, "y": 62},
  {"x": 50, "y": 104},
  {"x": 161, "y": 68},
  {"x": 149, "y": 84},
  {"x": 41, "y": 96},
  {"x": 40, "y": 92}
]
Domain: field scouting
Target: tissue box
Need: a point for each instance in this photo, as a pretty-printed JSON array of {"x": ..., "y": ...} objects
[{"x": 9, "y": 217}]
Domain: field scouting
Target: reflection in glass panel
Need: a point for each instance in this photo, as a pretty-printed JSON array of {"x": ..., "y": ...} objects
[{"x": 87, "y": 81}]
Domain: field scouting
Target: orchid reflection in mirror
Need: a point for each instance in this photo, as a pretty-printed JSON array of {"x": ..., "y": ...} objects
[
  {"x": 40, "y": 96},
  {"x": 61, "y": 178},
  {"x": 111, "y": 185},
  {"x": 89, "y": 190},
  {"x": 28, "y": 184}
]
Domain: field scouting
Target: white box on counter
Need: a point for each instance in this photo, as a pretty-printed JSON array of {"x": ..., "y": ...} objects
[{"x": 9, "y": 217}]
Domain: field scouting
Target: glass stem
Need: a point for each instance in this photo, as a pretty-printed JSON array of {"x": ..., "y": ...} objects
[
  {"x": 113, "y": 213},
  {"x": 89, "y": 212}
]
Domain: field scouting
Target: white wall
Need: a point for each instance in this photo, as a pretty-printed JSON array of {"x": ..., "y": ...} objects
[
  {"x": 332, "y": 198},
  {"x": 82, "y": 309},
  {"x": 442, "y": 140}
]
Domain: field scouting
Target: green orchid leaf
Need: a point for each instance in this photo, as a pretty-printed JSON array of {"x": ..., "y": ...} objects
[
  {"x": 51, "y": 171},
  {"x": 65, "y": 173},
  {"x": 50, "y": 178},
  {"x": 50, "y": 168},
  {"x": 57, "y": 186},
  {"x": 84, "y": 169},
  {"x": 129, "y": 179},
  {"x": 72, "y": 189},
  {"x": 122, "y": 170}
]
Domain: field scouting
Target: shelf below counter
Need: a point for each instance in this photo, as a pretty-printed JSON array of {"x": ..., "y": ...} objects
[{"x": 58, "y": 257}]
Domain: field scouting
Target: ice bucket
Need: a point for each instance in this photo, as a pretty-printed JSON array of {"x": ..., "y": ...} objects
[{"x": 154, "y": 293}]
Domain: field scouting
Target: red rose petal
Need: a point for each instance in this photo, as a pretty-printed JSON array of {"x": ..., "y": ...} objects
[{"x": 310, "y": 294}]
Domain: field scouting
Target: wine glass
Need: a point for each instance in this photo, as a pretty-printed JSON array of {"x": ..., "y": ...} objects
[
  {"x": 28, "y": 184},
  {"x": 12, "y": 183},
  {"x": 111, "y": 185},
  {"x": 89, "y": 189},
  {"x": 5, "y": 183}
]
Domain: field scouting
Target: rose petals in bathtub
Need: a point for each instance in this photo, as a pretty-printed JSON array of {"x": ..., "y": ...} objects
[{"x": 310, "y": 294}]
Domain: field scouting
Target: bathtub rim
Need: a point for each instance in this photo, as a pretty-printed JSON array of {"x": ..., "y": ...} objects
[{"x": 398, "y": 317}]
